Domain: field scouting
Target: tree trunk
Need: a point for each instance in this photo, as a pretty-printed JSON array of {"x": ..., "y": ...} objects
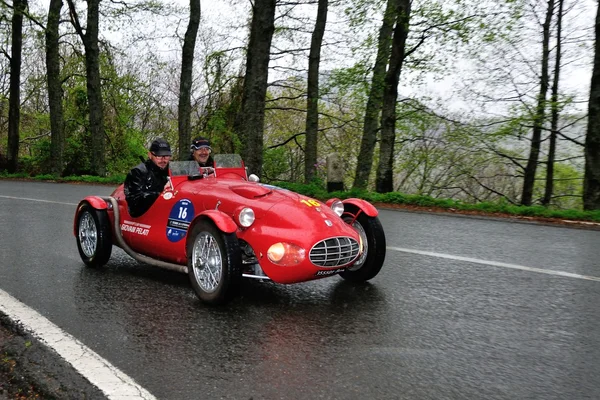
[
  {"x": 94, "y": 88},
  {"x": 185, "y": 84},
  {"x": 312, "y": 103},
  {"x": 55, "y": 91},
  {"x": 251, "y": 120},
  {"x": 385, "y": 172},
  {"x": 371, "y": 121},
  {"x": 94, "y": 84},
  {"x": 591, "y": 180},
  {"x": 14, "y": 101},
  {"x": 554, "y": 100},
  {"x": 538, "y": 118}
]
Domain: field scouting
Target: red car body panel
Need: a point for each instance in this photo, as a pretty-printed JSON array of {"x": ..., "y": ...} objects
[{"x": 280, "y": 216}]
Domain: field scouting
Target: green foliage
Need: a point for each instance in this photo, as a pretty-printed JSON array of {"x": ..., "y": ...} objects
[
  {"x": 448, "y": 204},
  {"x": 224, "y": 100},
  {"x": 274, "y": 162},
  {"x": 126, "y": 103},
  {"x": 76, "y": 155},
  {"x": 114, "y": 179},
  {"x": 359, "y": 12},
  {"x": 219, "y": 126},
  {"x": 18, "y": 175},
  {"x": 310, "y": 190},
  {"x": 317, "y": 191},
  {"x": 351, "y": 78},
  {"x": 125, "y": 141},
  {"x": 432, "y": 154},
  {"x": 109, "y": 180},
  {"x": 39, "y": 158},
  {"x": 567, "y": 189}
]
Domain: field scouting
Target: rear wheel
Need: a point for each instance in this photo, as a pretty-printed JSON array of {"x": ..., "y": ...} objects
[
  {"x": 214, "y": 263},
  {"x": 371, "y": 233},
  {"x": 94, "y": 240}
]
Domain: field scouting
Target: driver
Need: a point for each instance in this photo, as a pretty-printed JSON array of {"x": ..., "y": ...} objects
[
  {"x": 201, "y": 150},
  {"x": 147, "y": 180}
]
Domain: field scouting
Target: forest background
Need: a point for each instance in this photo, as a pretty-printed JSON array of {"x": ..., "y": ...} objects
[{"x": 474, "y": 101}]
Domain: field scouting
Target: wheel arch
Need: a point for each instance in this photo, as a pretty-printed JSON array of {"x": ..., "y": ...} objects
[
  {"x": 354, "y": 205},
  {"x": 93, "y": 201},
  {"x": 220, "y": 219}
]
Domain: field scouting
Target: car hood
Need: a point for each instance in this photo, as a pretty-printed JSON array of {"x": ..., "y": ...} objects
[
  {"x": 295, "y": 211},
  {"x": 272, "y": 205},
  {"x": 250, "y": 191}
]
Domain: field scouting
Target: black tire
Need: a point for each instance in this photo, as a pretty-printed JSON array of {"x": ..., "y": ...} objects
[
  {"x": 94, "y": 236},
  {"x": 214, "y": 263},
  {"x": 371, "y": 231}
]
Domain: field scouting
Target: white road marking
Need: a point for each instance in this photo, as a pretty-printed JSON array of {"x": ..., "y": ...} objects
[
  {"x": 497, "y": 264},
  {"x": 116, "y": 384},
  {"x": 38, "y": 200},
  {"x": 106, "y": 377}
]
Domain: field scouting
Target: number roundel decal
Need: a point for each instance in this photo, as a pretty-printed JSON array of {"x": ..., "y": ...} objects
[{"x": 180, "y": 217}]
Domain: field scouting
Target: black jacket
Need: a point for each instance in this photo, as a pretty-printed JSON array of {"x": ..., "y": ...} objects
[{"x": 144, "y": 183}]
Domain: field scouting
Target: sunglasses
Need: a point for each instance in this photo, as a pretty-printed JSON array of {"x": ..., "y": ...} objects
[
  {"x": 160, "y": 156},
  {"x": 200, "y": 146}
]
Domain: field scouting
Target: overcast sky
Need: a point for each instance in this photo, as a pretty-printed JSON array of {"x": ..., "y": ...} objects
[{"x": 227, "y": 19}]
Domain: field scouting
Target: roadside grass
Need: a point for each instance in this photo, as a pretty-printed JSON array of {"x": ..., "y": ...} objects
[
  {"x": 317, "y": 191},
  {"x": 109, "y": 180}
]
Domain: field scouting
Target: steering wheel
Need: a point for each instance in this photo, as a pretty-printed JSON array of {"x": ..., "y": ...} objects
[{"x": 207, "y": 171}]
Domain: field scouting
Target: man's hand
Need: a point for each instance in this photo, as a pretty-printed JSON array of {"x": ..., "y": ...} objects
[
  {"x": 168, "y": 185},
  {"x": 206, "y": 171}
]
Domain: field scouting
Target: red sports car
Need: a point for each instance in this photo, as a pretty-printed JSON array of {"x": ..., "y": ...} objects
[{"x": 219, "y": 226}]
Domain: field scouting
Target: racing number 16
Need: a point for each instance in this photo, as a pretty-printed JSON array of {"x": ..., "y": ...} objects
[
  {"x": 310, "y": 203},
  {"x": 182, "y": 212}
]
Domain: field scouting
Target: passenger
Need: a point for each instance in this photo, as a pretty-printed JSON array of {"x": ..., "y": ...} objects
[
  {"x": 201, "y": 150},
  {"x": 146, "y": 181}
]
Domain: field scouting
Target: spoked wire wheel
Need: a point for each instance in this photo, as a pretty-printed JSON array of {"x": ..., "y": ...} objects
[
  {"x": 94, "y": 236},
  {"x": 207, "y": 262},
  {"x": 365, "y": 244},
  {"x": 372, "y": 236},
  {"x": 88, "y": 234},
  {"x": 214, "y": 262}
]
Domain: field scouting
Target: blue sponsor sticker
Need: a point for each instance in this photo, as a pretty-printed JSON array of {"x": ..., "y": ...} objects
[{"x": 180, "y": 218}]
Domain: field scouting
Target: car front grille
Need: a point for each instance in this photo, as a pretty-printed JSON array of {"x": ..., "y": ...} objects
[{"x": 334, "y": 252}]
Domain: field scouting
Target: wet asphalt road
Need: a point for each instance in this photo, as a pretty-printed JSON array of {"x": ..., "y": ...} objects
[{"x": 425, "y": 328}]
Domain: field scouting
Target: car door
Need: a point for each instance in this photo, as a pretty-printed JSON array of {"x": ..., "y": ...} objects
[{"x": 161, "y": 231}]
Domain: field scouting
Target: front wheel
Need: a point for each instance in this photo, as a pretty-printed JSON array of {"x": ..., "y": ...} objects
[
  {"x": 94, "y": 240},
  {"x": 214, "y": 263},
  {"x": 371, "y": 260}
]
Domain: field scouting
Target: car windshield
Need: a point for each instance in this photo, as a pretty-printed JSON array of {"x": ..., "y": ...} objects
[
  {"x": 186, "y": 168},
  {"x": 228, "y": 160},
  {"x": 190, "y": 167}
]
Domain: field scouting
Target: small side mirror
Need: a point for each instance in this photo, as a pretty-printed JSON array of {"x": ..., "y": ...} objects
[{"x": 253, "y": 178}]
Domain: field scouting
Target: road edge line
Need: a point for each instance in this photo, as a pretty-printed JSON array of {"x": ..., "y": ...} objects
[
  {"x": 111, "y": 381},
  {"x": 497, "y": 264}
]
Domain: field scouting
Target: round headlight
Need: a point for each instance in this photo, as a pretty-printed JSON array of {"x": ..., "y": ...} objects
[
  {"x": 276, "y": 252},
  {"x": 286, "y": 254},
  {"x": 338, "y": 207},
  {"x": 246, "y": 217}
]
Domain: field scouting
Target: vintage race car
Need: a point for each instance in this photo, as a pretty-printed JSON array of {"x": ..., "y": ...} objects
[{"x": 219, "y": 226}]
